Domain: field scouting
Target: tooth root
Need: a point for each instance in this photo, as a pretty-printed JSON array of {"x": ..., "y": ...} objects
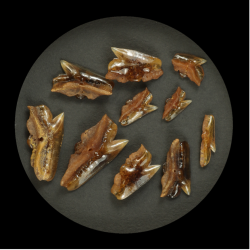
[{"x": 116, "y": 145}]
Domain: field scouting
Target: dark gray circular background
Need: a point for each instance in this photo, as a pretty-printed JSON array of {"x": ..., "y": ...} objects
[{"x": 93, "y": 205}]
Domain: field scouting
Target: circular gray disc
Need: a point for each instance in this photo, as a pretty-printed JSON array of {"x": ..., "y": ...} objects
[{"x": 93, "y": 205}]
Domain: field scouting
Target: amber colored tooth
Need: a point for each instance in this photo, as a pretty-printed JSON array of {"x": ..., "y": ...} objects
[
  {"x": 81, "y": 82},
  {"x": 45, "y": 140},
  {"x": 95, "y": 150},
  {"x": 208, "y": 140},
  {"x": 176, "y": 170},
  {"x": 175, "y": 105},
  {"x": 137, "y": 108},
  {"x": 190, "y": 66},
  {"x": 184, "y": 163},
  {"x": 131, "y": 65},
  {"x": 133, "y": 174}
]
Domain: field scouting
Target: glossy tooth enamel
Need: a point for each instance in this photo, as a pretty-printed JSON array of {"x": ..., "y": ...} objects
[
  {"x": 134, "y": 174},
  {"x": 176, "y": 170},
  {"x": 131, "y": 65},
  {"x": 45, "y": 140},
  {"x": 208, "y": 140},
  {"x": 96, "y": 149},
  {"x": 81, "y": 82},
  {"x": 137, "y": 108}
]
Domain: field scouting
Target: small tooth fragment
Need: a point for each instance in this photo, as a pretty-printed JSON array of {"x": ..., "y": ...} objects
[
  {"x": 176, "y": 171},
  {"x": 80, "y": 82},
  {"x": 137, "y": 108},
  {"x": 96, "y": 149},
  {"x": 134, "y": 173},
  {"x": 189, "y": 65},
  {"x": 208, "y": 140},
  {"x": 131, "y": 65},
  {"x": 175, "y": 105},
  {"x": 45, "y": 140}
]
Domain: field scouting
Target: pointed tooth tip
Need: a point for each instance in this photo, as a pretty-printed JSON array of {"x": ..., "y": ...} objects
[{"x": 63, "y": 62}]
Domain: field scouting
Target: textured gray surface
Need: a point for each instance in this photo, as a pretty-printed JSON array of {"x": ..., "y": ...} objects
[{"x": 92, "y": 205}]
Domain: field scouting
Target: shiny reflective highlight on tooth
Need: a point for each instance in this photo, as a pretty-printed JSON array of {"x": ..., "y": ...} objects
[
  {"x": 134, "y": 173},
  {"x": 208, "y": 140},
  {"x": 137, "y": 108},
  {"x": 80, "y": 82},
  {"x": 175, "y": 105},
  {"x": 176, "y": 170},
  {"x": 131, "y": 65},
  {"x": 189, "y": 66}
]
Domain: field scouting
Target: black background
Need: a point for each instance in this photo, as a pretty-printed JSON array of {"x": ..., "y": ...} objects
[{"x": 215, "y": 211}]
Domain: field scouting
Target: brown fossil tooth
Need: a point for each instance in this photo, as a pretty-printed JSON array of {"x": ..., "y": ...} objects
[
  {"x": 208, "y": 140},
  {"x": 80, "y": 82},
  {"x": 176, "y": 170},
  {"x": 190, "y": 66},
  {"x": 131, "y": 65},
  {"x": 45, "y": 139},
  {"x": 134, "y": 173},
  {"x": 175, "y": 105},
  {"x": 96, "y": 149},
  {"x": 137, "y": 108}
]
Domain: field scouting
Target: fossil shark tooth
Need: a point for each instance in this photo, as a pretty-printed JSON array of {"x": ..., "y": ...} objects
[
  {"x": 137, "y": 108},
  {"x": 190, "y": 66},
  {"x": 134, "y": 173},
  {"x": 96, "y": 149},
  {"x": 131, "y": 65},
  {"x": 80, "y": 82},
  {"x": 176, "y": 170},
  {"x": 175, "y": 105},
  {"x": 208, "y": 140},
  {"x": 45, "y": 140}
]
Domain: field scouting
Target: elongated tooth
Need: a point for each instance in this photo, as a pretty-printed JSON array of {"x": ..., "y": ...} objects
[
  {"x": 137, "y": 108},
  {"x": 131, "y": 65},
  {"x": 184, "y": 164},
  {"x": 80, "y": 82},
  {"x": 95, "y": 150},
  {"x": 189, "y": 65},
  {"x": 45, "y": 140},
  {"x": 176, "y": 171},
  {"x": 134, "y": 174},
  {"x": 175, "y": 105},
  {"x": 208, "y": 139}
]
